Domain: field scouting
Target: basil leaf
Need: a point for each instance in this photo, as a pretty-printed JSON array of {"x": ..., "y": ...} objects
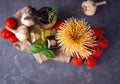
[
  {"x": 35, "y": 48},
  {"x": 48, "y": 53},
  {"x": 43, "y": 46}
]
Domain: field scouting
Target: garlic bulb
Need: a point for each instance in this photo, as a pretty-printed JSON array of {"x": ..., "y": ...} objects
[
  {"x": 21, "y": 33},
  {"x": 89, "y": 7},
  {"x": 27, "y": 20}
]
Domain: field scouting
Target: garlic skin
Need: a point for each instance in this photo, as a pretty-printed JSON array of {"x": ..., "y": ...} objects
[
  {"x": 27, "y": 20},
  {"x": 89, "y": 7},
  {"x": 21, "y": 33}
]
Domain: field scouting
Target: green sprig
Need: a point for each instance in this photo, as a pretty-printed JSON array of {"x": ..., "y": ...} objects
[{"x": 52, "y": 14}]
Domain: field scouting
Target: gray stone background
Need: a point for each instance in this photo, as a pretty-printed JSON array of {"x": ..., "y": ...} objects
[{"x": 18, "y": 67}]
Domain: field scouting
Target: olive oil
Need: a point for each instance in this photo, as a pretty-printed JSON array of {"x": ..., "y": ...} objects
[{"x": 38, "y": 36}]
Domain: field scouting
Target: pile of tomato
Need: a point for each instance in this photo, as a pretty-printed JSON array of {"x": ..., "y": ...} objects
[
  {"x": 96, "y": 51},
  {"x": 6, "y": 34}
]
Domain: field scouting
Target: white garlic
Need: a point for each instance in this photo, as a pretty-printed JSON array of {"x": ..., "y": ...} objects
[
  {"x": 27, "y": 20},
  {"x": 89, "y": 7},
  {"x": 21, "y": 32}
]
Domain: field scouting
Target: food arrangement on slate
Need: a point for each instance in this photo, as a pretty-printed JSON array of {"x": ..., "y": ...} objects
[{"x": 40, "y": 33}]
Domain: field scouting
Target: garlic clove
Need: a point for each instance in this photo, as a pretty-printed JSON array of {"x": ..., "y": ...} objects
[
  {"x": 21, "y": 32},
  {"x": 89, "y": 7},
  {"x": 27, "y": 20}
]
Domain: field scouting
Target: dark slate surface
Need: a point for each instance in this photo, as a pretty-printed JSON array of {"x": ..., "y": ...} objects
[{"x": 21, "y": 68}]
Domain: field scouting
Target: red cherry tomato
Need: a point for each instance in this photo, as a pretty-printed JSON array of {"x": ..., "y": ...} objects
[
  {"x": 76, "y": 61},
  {"x": 102, "y": 43},
  {"x": 97, "y": 53},
  {"x": 10, "y": 22},
  {"x": 97, "y": 32},
  {"x": 13, "y": 39},
  {"x": 57, "y": 25},
  {"x": 5, "y": 33},
  {"x": 91, "y": 62}
]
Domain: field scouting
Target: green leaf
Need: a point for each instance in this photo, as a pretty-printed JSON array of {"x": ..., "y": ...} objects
[
  {"x": 36, "y": 48},
  {"x": 43, "y": 46},
  {"x": 48, "y": 53}
]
